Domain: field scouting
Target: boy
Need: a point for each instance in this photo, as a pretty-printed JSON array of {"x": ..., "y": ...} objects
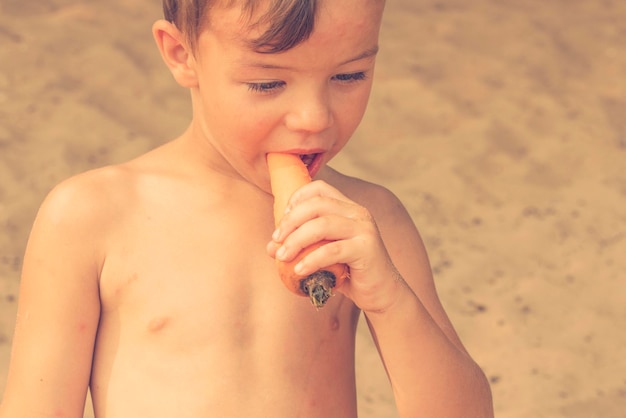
[{"x": 150, "y": 281}]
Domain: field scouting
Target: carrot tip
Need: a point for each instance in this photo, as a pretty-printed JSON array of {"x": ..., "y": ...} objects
[{"x": 319, "y": 287}]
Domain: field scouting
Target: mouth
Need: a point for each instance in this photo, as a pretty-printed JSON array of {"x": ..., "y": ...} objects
[
  {"x": 308, "y": 159},
  {"x": 313, "y": 162}
]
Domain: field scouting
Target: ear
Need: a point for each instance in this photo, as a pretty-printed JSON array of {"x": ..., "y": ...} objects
[{"x": 176, "y": 53}]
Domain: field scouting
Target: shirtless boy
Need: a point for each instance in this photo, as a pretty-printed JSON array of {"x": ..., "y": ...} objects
[{"x": 153, "y": 283}]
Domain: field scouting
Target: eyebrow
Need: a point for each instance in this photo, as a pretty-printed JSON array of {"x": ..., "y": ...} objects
[
  {"x": 370, "y": 52},
  {"x": 365, "y": 54}
]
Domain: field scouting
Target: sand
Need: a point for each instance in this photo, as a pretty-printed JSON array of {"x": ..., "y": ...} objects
[{"x": 500, "y": 124}]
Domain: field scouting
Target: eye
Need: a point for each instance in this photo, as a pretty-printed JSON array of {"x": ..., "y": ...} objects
[
  {"x": 266, "y": 86},
  {"x": 350, "y": 77}
]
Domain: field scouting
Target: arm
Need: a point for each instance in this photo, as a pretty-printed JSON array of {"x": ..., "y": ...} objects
[
  {"x": 58, "y": 311},
  {"x": 430, "y": 371}
]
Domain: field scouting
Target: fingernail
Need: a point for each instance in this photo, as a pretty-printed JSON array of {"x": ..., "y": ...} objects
[
  {"x": 276, "y": 235},
  {"x": 299, "y": 268},
  {"x": 281, "y": 252}
]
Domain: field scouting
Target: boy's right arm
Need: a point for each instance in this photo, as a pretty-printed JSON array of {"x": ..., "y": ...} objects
[{"x": 58, "y": 310}]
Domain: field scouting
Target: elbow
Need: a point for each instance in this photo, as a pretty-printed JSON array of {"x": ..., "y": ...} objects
[
  {"x": 481, "y": 402},
  {"x": 462, "y": 393}
]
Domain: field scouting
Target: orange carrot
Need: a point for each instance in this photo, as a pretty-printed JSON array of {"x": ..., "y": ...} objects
[{"x": 287, "y": 174}]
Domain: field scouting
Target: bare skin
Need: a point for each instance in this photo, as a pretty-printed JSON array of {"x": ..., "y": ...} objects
[
  {"x": 153, "y": 282},
  {"x": 207, "y": 338},
  {"x": 169, "y": 341}
]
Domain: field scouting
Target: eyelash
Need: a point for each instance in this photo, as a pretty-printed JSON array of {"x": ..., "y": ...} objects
[
  {"x": 273, "y": 86},
  {"x": 266, "y": 87},
  {"x": 350, "y": 77}
]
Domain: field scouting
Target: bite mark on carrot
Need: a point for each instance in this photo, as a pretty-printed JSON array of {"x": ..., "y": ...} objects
[{"x": 287, "y": 174}]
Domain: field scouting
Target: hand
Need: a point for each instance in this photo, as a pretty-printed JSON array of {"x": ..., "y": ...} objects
[{"x": 317, "y": 212}]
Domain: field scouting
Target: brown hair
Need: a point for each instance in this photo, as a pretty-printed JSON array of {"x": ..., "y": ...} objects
[{"x": 288, "y": 22}]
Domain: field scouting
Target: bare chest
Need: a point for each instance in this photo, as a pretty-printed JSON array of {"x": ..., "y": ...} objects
[{"x": 203, "y": 304}]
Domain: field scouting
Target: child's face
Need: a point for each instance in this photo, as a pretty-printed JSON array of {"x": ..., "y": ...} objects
[{"x": 307, "y": 100}]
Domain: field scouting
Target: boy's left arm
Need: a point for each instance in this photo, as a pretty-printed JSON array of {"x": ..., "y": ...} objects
[{"x": 431, "y": 373}]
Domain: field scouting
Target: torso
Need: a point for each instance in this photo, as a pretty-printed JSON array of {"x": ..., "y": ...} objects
[{"x": 195, "y": 321}]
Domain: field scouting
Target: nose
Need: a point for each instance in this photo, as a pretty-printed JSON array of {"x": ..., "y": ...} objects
[{"x": 310, "y": 113}]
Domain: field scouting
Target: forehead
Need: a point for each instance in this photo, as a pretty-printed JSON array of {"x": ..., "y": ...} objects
[{"x": 233, "y": 19}]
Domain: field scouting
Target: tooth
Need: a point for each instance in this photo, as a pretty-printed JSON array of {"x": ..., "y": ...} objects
[{"x": 307, "y": 158}]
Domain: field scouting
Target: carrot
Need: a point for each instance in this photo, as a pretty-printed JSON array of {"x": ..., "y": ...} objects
[{"x": 287, "y": 174}]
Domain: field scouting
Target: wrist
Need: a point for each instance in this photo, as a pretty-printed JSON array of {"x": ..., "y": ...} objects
[{"x": 395, "y": 295}]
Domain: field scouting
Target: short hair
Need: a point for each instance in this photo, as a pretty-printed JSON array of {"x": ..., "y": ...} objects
[{"x": 288, "y": 22}]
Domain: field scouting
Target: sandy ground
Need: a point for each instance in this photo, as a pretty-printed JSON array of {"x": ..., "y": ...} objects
[{"x": 501, "y": 125}]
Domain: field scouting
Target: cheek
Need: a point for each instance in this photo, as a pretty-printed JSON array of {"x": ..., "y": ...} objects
[
  {"x": 257, "y": 125},
  {"x": 250, "y": 129},
  {"x": 353, "y": 109},
  {"x": 235, "y": 118}
]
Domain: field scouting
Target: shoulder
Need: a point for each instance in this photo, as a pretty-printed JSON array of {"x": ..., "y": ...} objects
[
  {"x": 74, "y": 223},
  {"x": 86, "y": 200},
  {"x": 102, "y": 198},
  {"x": 382, "y": 203},
  {"x": 395, "y": 224}
]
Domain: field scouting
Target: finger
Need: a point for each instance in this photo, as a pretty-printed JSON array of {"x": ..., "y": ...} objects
[
  {"x": 314, "y": 208},
  {"x": 326, "y": 255},
  {"x": 272, "y": 247},
  {"x": 314, "y": 189},
  {"x": 326, "y": 228}
]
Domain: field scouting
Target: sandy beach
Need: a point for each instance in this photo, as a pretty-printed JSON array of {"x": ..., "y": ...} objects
[{"x": 500, "y": 124}]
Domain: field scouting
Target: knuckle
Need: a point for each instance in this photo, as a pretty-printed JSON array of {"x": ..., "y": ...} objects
[
  {"x": 361, "y": 213},
  {"x": 333, "y": 248}
]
